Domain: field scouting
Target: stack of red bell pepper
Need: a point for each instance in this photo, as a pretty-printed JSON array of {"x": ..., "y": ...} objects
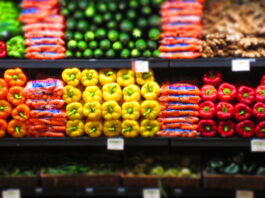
[
  {"x": 44, "y": 29},
  {"x": 47, "y": 118},
  {"x": 179, "y": 113},
  {"x": 3, "y": 50},
  {"x": 182, "y": 29}
]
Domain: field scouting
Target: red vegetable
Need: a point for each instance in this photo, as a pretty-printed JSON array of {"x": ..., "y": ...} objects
[
  {"x": 260, "y": 93},
  {"x": 242, "y": 111},
  {"x": 245, "y": 128},
  {"x": 3, "y": 51},
  {"x": 227, "y": 92},
  {"x": 259, "y": 110},
  {"x": 224, "y": 110},
  {"x": 207, "y": 110},
  {"x": 262, "y": 80},
  {"x": 260, "y": 130},
  {"x": 212, "y": 78},
  {"x": 207, "y": 128},
  {"x": 246, "y": 95},
  {"x": 226, "y": 128},
  {"x": 208, "y": 92}
]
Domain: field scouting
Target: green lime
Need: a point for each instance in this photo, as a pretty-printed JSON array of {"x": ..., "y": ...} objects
[
  {"x": 131, "y": 45},
  {"x": 69, "y": 35},
  {"x": 89, "y": 36},
  {"x": 147, "y": 54},
  {"x": 88, "y": 53},
  {"x": 93, "y": 27},
  {"x": 105, "y": 44},
  {"x": 98, "y": 19},
  {"x": 72, "y": 6},
  {"x": 72, "y": 45},
  {"x": 78, "y": 36},
  {"x": 79, "y": 14},
  {"x": 71, "y": 23},
  {"x": 155, "y": 21},
  {"x": 132, "y": 14},
  {"x": 156, "y": 53},
  {"x": 137, "y": 33},
  {"x": 142, "y": 23},
  {"x": 98, "y": 53},
  {"x": 102, "y": 7},
  {"x": 117, "y": 46},
  {"x": 65, "y": 12},
  {"x": 134, "y": 4},
  {"x": 126, "y": 26},
  {"x": 146, "y": 10},
  {"x": 157, "y": 2},
  {"x": 118, "y": 16},
  {"x": 135, "y": 53},
  {"x": 122, "y": 5},
  {"x": 152, "y": 45},
  {"x": 112, "y": 25},
  {"x": 90, "y": 11},
  {"x": 93, "y": 44},
  {"x": 82, "y": 45},
  {"x": 113, "y": 35},
  {"x": 112, "y": 6},
  {"x": 124, "y": 38},
  {"x": 83, "y": 4},
  {"x": 140, "y": 44},
  {"x": 82, "y": 26},
  {"x": 69, "y": 54},
  {"x": 101, "y": 33},
  {"x": 125, "y": 53},
  {"x": 107, "y": 16},
  {"x": 110, "y": 53},
  {"x": 154, "y": 34},
  {"x": 78, "y": 54},
  {"x": 145, "y": 2}
]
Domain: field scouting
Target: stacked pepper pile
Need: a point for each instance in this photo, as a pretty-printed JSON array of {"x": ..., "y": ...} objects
[
  {"x": 179, "y": 110},
  {"x": 119, "y": 98},
  {"x": 182, "y": 29},
  {"x": 47, "y": 118},
  {"x": 44, "y": 29}
]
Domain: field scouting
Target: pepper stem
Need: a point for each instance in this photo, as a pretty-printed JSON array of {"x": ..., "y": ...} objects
[
  {"x": 148, "y": 111},
  {"x": 21, "y": 114},
  {"x": 147, "y": 75},
  {"x": 128, "y": 129},
  {"x": 208, "y": 92},
  {"x": 92, "y": 94},
  {"x": 260, "y": 110},
  {"x": 15, "y": 77},
  {"x": 262, "y": 92},
  {"x": 129, "y": 92},
  {"x": 112, "y": 129},
  {"x": 112, "y": 89},
  {"x": 110, "y": 109},
  {"x": 212, "y": 75},
  {"x": 109, "y": 73},
  {"x": 89, "y": 76},
  {"x": 242, "y": 112},
  {"x": 245, "y": 95},
  {"x": 73, "y": 111},
  {"x": 227, "y": 91},
  {"x": 73, "y": 128},
  {"x": 130, "y": 110},
  {"x": 207, "y": 128},
  {"x": 247, "y": 128},
  {"x": 262, "y": 130},
  {"x": 17, "y": 129},
  {"x": 224, "y": 109},
  {"x": 3, "y": 108},
  {"x": 149, "y": 88},
  {"x": 70, "y": 93},
  {"x": 17, "y": 96},
  {"x": 149, "y": 127},
  {"x": 125, "y": 76},
  {"x": 93, "y": 129},
  {"x": 226, "y": 128},
  {"x": 92, "y": 108},
  {"x": 206, "y": 108},
  {"x": 72, "y": 77}
]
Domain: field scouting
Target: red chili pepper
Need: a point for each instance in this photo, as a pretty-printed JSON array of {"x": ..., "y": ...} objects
[
  {"x": 212, "y": 78},
  {"x": 207, "y": 128},
  {"x": 260, "y": 130},
  {"x": 259, "y": 110},
  {"x": 227, "y": 92},
  {"x": 245, "y": 128},
  {"x": 242, "y": 111},
  {"x": 3, "y": 51},
  {"x": 207, "y": 110},
  {"x": 226, "y": 128},
  {"x": 260, "y": 93},
  {"x": 224, "y": 110},
  {"x": 246, "y": 95},
  {"x": 262, "y": 80},
  {"x": 208, "y": 92}
]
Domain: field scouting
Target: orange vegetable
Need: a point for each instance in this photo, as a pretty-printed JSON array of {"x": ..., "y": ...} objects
[
  {"x": 16, "y": 95},
  {"x": 3, "y": 127},
  {"x": 15, "y": 77},
  {"x": 17, "y": 128},
  {"x": 21, "y": 112},
  {"x": 5, "y": 109},
  {"x": 3, "y": 88}
]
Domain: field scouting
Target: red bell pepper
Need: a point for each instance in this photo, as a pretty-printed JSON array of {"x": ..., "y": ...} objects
[
  {"x": 224, "y": 110},
  {"x": 207, "y": 110},
  {"x": 227, "y": 92},
  {"x": 207, "y": 128},
  {"x": 242, "y": 111},
  {"x": 245, "y": 129},
  {"x": 260, "y": 93},
  {"x": 262, "y": 80},
  {"x": 212, "y": 78},
  {"x": 259, "y": 110},
  {"x": 260, "y": 130},
  {"x": 246, "y": 95},
  {"x": 3, "y": 51},
  {"x": 226, "y": 128},
  {"x": 208, "y": 92}
]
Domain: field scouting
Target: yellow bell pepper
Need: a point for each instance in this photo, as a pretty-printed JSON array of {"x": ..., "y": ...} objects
[
  {"x": 92, "y": 93},
  {"x": 149, "y": 128},
  {"x": 72, "y": 76},
  {"x": 89, "y": 77},
  {"x": 150, "y": 109},
  {"x": 74, "y": 111},
  {"x": 112, "y": 128},
  {"x": 130, "y": 128},
  {"x": 92, "y": 110},
  {"x": 142, "y": 78},
  {"x": 93, "y": 128},
  {"x": 131, "y": 93},
  {"x": 131, "y": 110},
  {"x": 71, "y": 94},
  {"x": 111, "y": 110},
  {"x": 125, "y": 77},
  {"x": 107, "y": 76},
  {"x": 150, "y": 90},
  {"x": 74, "y": 128},
  {"x": 112, "y": 91}
]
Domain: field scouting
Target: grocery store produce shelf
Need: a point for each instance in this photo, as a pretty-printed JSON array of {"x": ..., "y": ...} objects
[{"x": 102, "y": 141}]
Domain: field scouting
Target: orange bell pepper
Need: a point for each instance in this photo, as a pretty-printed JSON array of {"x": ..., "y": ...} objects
[
  {"x": 3, "y": 127},
  {"x": 16, "y": 95},
  {"x": 17, "y": 128},
  {"x": 15, "y": 77},
  {"x": 21, "y": 112},
  {"x": 5, "y": 109},
  {"x": 3, "y": 88}
]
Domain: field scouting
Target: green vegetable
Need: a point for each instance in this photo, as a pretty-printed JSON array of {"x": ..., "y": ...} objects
[
  {"x": 105, "y": 44},
  {"x": 93, "y": 44},
  {"x": 89, "y": 36},
  {"x": 16, "y": 47},
  {"x": 78, "y": 36},
  {"x": 117, "y": 46},
  {"x": 101, "y": 33},
  {"x": 72, "y": 44},
  {"x": 82, "y": 45},
  {"x": 88, "y": 53}
]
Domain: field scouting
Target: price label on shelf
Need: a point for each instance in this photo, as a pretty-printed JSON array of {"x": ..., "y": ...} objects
[
  {"x": 116, "y": 144},
  {"x": 151, "y": 193},
  {"x": 257, "y": 145},
  {"x": 140, "y": 66},
  {"x": 240, "y": 65},
  {"x": 244, "y": 194},
  {"x": 12, "y": 193}
]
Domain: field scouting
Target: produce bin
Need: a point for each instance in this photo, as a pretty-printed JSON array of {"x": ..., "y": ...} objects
[{"x": 18, "y": 182}]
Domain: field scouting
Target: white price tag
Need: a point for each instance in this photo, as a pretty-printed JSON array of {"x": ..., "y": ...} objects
[
  {"x": 257, "y": 145},
  {"x": 12, "y": 193},
  {"x": 241, "y": 65},
  {"x": 140, "y": 66},
  {"x": 151, "y": 193},
  {"x": 244, "y": 194},
  {"x": 115, "y": 144}
]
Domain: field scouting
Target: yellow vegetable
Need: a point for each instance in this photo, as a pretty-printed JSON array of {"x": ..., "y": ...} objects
[
  {"x": 74, "y": 128},
  {"x": 149, "y": 128},
  {"x": 89, "y": 77},
  {"x": 131, "y": 110},
  {"x": 112, "y": 91},
  {"x": 94, "y": 128},
  {"x": 74, "y": 111},
  {"x": 71, "y": 94},
  {"x": 92, "y": 110},
  {"x": 111, "y": 110},
  {"x": 150, "y": 109},
  {"x": 71, "y": 76},
  {"x": 107, "y": 76},
  {"x": 112, "y": 128},
  {"x": 125, "y": 77},
  {"x": 130, "y": 128},
  {"x": 131, "y": 93},
  {"x": 92, "y": 93},
  {"x": 150, "y": 90},
  {"x": 142, "y": 78}
]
